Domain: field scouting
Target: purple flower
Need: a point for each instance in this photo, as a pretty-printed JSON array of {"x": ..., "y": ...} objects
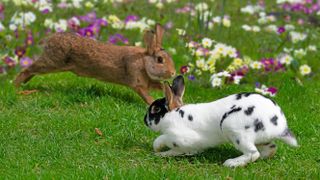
[
  {"x": 45, "y": 11},
  {"x": 25, "y": 62},
  {"x": 1, "y": 11},
  {"x": 272, "y": 90},
  {"x": 63, "y": 5},
  {"x": 20, "y": 51},
  {"x": 90, "y": 17},
  {"x": 101, "y": 22},
  {"x": 131, "y": 18},
  {"x": 29, "y": 40},
  {"x": 281, "y": 30},
  {"x": 9, "y": 62},
  {"x": 86, "y": 32},
  {"x": 168, "y": 25},
  {"x": 191, "y": 77},
  {"x": 114, "y": 39},
  {"x": 258, "y": 85}
]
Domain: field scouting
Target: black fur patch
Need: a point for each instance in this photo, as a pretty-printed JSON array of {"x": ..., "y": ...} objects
[
  {"x": 258, "y": 125},
  {"x": 274, "y": 120},
  {"x": 247, "y": 127},
  {"x": 177, "y": 109},
  {"x": 233, "y": 107},
  {"x": 228, "y": 113},
  {"x": 175, "y": 144},
  {"x": 238, "y": 141},
  {"x": 160, "y": 103},
  {"x": 190, "y": 117},
  {"x": 272, "y": 146},
  {"x": 249, "y": 111},
  {"x": 181, "y": 112},
  {"x": 287, "y": 132},
  {"x": 238, "y": 96}
]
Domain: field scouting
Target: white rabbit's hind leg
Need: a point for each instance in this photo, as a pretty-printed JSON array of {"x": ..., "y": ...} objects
[{"x": 250, "y": 154}]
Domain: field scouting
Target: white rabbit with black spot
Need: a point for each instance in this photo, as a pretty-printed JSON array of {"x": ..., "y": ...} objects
[{"x": 250, "y": 121}]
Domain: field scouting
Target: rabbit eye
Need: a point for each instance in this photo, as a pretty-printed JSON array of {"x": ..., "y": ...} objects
[
  {"x": 156, "y": 110},
  {"x": 160, "y": 60}
]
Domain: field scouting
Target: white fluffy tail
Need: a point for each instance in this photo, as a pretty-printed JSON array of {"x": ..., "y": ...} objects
[{"x": 288, "y": 137}]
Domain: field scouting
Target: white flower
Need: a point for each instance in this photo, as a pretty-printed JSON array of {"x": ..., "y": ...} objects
[
  {"x": 172, "y": 50},
  {"x": 236, "y": 79},
  {"x": 226, "y": 22},
  {"x": 61, "y": 25},
  {"x": 216, "y": 82},
  {"x": 286, "y": 59},
  {"x": 223, "y": 74},
  {"x": 312, "y": 48},
  {"x": 271, "y": 28},
  {"x": 289, "y": 27},
  {"x": 159, "y": 5},
  {"x": 2, "y": 27},
  {"x": 246, "y": 27},
  {"x": 256, "y": 65},
  {"x": 289, "y": 1},
  {"x": 216, "y": 19},
  {"x": 200, "y": 63},
  {"x": 138, "y": 44},
  {"x": 49, "y": 23},
  {"x": 296, "y": 36},
  {"x": 199, "y": 52},
  {"x": 255, "y": 28},
  {"x": 299, "y": 53},
  {"x": 181, "y": 32},
  {"x": 206, "y": 42},
  {"x": 305, "y": 69},
  {"x": 201, "y": 7},
  {"x": 89, "y": 4},
  {"x": 250, "y": 9}
]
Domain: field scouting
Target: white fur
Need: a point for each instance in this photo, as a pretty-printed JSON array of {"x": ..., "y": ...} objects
[{"x": 185, "y": 137}]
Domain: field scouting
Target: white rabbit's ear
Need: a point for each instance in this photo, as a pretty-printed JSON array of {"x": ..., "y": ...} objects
[
  {"x": 150, "y": 42},
  {"x": 168, "y": 94},
  {"x": 159, "y": 35},
  {"x": 178, "y": 86}
]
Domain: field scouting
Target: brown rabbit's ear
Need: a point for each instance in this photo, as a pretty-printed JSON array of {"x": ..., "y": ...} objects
[
  {"x": 159, "y": 34},
  {"x": 168, "y": 94},
  {"x": 150, "y": 41}
]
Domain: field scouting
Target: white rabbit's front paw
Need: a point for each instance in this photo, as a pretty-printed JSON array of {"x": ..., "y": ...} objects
[
  {"x": 234, "y": 163},
  {"x": 169, "y": 153}
]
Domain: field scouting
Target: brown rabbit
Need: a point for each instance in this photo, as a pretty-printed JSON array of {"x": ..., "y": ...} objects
[{"x": 136, "y": 67}]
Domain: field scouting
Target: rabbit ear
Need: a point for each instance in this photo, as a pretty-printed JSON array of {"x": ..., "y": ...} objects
[
  {"x": 159, "y": 35},
  {"x": 150, "y": 41},
  {"x": 178, "y": 86},
  {"x": 168, "y": 93}
]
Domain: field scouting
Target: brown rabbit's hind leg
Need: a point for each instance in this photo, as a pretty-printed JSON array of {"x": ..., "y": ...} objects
[{"x": 42, "y": 65}]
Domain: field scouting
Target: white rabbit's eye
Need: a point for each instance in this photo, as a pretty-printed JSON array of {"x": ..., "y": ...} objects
[
  {"x": 160, "y": 60},
  {"x": 155, "y": 110}
]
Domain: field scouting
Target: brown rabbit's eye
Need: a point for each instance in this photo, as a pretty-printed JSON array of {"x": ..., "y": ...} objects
[{"x": 160, "y": 60}]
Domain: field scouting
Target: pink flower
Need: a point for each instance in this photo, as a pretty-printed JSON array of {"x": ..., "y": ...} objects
[{"x": 184, "y": 69}]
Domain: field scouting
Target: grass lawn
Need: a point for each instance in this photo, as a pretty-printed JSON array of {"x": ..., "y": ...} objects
[{"x": 51, "y": 133}]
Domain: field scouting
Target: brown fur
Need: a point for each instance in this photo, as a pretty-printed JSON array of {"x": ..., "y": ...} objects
[
  {"x": 174, "y": 93},
  {"x": 140, "y": 69}
]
